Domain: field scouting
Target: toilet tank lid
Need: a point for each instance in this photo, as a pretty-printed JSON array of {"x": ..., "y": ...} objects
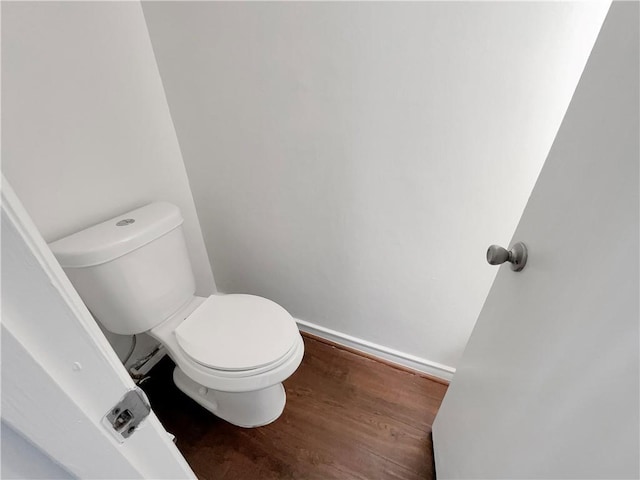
[{"x": 116, "y": 237}]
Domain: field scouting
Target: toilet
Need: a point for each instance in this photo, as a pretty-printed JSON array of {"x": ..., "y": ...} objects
[{"x": 232, "y": 352}]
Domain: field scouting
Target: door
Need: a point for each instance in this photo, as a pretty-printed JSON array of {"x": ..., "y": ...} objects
[
  {"x": 548, "y": 384},
  {"x": 60, "y": 376}
]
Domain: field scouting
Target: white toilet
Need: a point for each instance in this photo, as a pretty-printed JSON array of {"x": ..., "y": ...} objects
[{"x": 232, "y": 351}]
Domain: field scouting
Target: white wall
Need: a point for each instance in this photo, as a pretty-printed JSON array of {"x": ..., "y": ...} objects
[
  {"x": 87, "y": 132},
  {"x": 22, "y": 459},
  {"x": 353, "y": 161},
  {"x": 549, "y": 384}
]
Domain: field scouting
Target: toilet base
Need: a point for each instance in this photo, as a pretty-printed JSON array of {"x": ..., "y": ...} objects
[{"x": 244, "y": 409}]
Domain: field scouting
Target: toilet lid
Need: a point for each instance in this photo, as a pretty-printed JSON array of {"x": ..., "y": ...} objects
[{"x": 237, "y": 332}]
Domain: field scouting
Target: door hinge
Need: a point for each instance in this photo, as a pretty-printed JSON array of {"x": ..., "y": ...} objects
[{"x": 123, "y": 419}]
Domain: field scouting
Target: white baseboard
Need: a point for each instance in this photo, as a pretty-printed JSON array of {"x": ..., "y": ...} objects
[{"x": 413, "y": 362}]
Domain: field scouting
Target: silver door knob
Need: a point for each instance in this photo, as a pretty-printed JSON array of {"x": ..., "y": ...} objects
[{"x": 517, "y": 256}]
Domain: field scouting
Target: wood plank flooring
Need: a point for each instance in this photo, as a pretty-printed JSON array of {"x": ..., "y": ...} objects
[{"x": 347, "y": 417}]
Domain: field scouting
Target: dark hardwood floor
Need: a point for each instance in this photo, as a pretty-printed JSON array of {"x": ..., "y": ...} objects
[{"x": 347, "y": 417}]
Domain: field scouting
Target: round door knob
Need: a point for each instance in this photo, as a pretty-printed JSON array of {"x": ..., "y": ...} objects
[
  {"x": 517, "y": 256},
  {"x": 496, "y": 255}
]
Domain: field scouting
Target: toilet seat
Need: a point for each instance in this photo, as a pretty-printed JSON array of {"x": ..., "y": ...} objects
[
  {"x": 237, "y": 333},
  {"x": 224, "y": 380}
]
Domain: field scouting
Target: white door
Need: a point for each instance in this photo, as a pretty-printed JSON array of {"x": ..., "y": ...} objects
[
  {"x": 548, "y": 386},
  {"x": 60, "y": 376}
]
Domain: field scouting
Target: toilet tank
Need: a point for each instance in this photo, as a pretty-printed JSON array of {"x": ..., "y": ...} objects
[{"x": 133, "y": 271}]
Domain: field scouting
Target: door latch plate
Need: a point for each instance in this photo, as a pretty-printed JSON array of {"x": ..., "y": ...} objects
[{"x": 123, "y": 419}]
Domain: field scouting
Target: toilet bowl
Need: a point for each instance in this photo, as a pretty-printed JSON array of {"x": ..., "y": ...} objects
[{"x": 232, "y": 352}]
